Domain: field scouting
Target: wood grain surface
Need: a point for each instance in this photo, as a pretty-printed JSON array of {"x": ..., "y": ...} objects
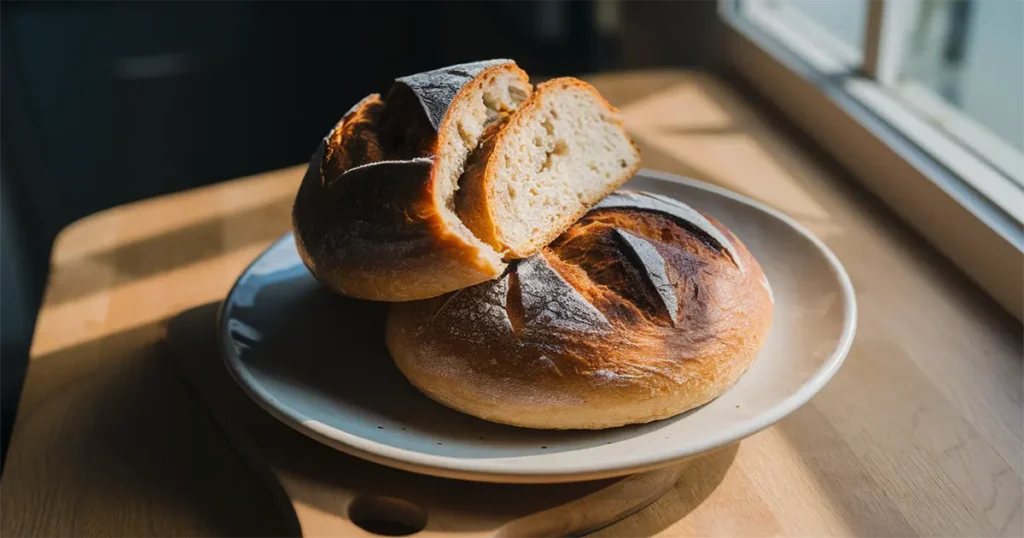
[{"x": 920, "y": 433}]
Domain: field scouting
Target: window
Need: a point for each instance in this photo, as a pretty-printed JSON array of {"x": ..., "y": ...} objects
[
  {"x": 836, "y": 26},
  {"x": 958, "y": 64},
  {"x": 922, "y": 100},
  {"x": 961, "y": 64}
]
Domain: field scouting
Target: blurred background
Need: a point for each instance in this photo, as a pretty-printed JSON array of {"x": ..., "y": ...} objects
[{"x": 106, "y": 103}]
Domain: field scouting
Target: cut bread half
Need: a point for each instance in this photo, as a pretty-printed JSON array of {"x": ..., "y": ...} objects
[
  {"x": 375, "y": 215},
  {"x": 556, "y": 157}
]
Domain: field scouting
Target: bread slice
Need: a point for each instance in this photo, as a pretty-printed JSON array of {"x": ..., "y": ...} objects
[{"x": 562, "y": 152}]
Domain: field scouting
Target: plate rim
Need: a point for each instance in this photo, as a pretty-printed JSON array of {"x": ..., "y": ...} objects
[{"x": 480, "y": 470}]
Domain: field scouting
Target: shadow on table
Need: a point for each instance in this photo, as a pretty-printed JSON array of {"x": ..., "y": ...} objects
[
  {"x": 319, "y": 469},
  {"x": 171, "y": 249},
  {"x": 120, "y": 447},
  {"x": 698, "y": 481}
]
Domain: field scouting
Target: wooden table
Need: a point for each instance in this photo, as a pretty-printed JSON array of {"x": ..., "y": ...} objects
[{"x": 920, "y": 433}]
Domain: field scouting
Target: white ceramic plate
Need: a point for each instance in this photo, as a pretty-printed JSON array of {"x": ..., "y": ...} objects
[{"x": 318, "y": 362}]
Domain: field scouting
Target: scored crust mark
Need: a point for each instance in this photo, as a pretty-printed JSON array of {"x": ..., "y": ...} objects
[
  {"x": 674, "y": 208},
  {"x": 477, "y": 314},
  {"x": 360, "y": 238},
  {"x": 445, "y": 304},
  {"x": 654, "y": 269},
  {"x": 549, "y": 301},
  {"x": 591, "y": 247},
  {"x": 418, "y": 160},
  {"x": 514, "y": 303}
]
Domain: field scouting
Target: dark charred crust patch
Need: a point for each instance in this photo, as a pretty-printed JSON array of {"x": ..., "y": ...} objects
[{"x": 651, "y": 264}]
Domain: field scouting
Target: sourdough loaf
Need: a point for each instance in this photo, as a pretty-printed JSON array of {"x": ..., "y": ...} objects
[{"x": 641, "y": 310}]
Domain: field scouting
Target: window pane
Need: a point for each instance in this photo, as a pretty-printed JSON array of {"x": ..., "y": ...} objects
[
  {"x": 836, "y": 27},
  {"x": 971, "y": 54},
  {"x": 843, "y": 19}
]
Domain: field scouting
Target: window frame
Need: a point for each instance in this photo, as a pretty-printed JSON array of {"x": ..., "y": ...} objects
[{"x": 955, "y": 195}]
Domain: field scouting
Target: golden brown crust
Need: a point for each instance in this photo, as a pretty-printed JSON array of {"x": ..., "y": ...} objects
[
  {"x": 368, "y": 219},
  {"x": 601, "y": 344}
]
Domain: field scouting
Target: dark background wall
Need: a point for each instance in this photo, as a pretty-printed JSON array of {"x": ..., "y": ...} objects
[{"x": 110, "y": 102}]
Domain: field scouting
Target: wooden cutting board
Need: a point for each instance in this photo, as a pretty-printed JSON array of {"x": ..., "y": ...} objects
[{"x": 329, "y": 493}]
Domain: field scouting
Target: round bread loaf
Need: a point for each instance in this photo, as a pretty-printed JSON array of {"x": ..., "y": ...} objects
[{"x": 641, "y": 310}]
